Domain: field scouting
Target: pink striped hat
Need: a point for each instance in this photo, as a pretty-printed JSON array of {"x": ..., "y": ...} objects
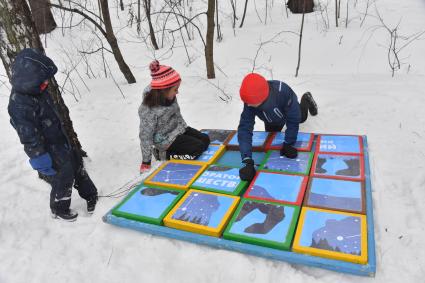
[{"x": 163, "y": 76}]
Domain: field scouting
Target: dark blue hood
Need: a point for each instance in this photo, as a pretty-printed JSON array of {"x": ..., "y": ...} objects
[{"x": 30, "y": 68}]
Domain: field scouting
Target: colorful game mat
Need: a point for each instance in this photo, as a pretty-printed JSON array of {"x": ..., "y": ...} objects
[{"x": 313, "y": 210}]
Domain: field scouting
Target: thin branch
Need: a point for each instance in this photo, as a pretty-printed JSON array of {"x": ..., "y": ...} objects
[
  {"x": 263, "y": 43},
  {"x": 84, "y": 9},
  {"x": 74, "y": 10},
  {"x": 115, "y": 82},
  {"x": 226, "y": 97},
  {"x": 188, "y": 21},
  {"x": 95, "y": 51}
]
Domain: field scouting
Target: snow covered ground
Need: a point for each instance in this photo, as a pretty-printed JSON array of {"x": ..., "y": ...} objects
[{"x": 347, "y": 71}]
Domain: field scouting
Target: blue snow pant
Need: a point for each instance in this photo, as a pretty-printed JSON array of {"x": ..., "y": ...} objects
[
  {"x": 70, "y": 172},
  {"x": 269, "y": 127}
]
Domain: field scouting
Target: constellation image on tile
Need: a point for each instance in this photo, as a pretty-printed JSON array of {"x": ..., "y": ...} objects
[
  {"x": 341, "y": 144},
  {"x": 346, "y": 166},
  {"x": 304, "y": 141},
  {"x": 336, "y": 194},
  {"x": 208, "y": 154},
  {"x": 203, "y": 208},
  {"x": 148, "y": 204},
  {"x": 218, "y": 136},
  {"x": 258, "y": 139},
  {"x": 300, "y": 164},
  {"x": 263, "y": 223},
  {"x": 176, "y": 173},
  {"x": 332, "y": 231},
  {"x": 233, "y": 158},
  {"x": 221, "y": 179},
  {"x": 277, "y": 187}
]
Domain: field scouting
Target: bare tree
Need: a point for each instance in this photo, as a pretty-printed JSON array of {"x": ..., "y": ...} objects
[
  {"x": 346, "y": 15},
  {"x": 219, "y": 34},
  {"x": 139, "y": 19},
  {"x": 244, "y": 13},
  {"x": 299, "y": 45},
  {"x": 336, "y": 13},
  {"x": 301, "y": 6},
  {"x": 107, "y": 32},
  {"x": 394, "y": 48},
  {"x": 339, "y": 9},
  {"x": 208, "y": 42},
  {"x": 209, "y": 47},
  {"x": 147, "y": 6},
  {"x": 112, "y": 40},
  {"x": 234, "y": 17},
  {"x": 365, "y": 13},
  {"x": 273, "y": 40},
  {"x": 18, "y": 31},
  {"x": 42, "y": 16}
]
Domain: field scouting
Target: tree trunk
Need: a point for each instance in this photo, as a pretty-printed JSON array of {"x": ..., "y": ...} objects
[
  {"x": 299, "y": 45},
  {"x": 219, "y": 35},
  {"x": 112, "y": 40},
  {"x": 336, "y": 13},
  {"x": 244, "y": 13},
  {"x": 209, "y": 46},
  {"x": 42, "y": 16},
  {"x": 18, "y": 31},
  {"x": 296, "y": 6},
  {"x": 147, "y": 4}
]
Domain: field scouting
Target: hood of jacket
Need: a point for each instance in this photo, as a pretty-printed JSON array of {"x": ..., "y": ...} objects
[{"x": 30, "y": 68}]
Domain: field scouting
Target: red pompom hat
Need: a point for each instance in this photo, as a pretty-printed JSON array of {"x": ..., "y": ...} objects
[
  {"x": 163, "y": 76},
  {"x": 254, "y": 89}
]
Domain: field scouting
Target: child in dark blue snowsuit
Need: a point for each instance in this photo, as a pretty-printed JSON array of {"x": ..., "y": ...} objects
[
  {"x": 39, "y": 128},
  {"x": 275, "y": 103}
]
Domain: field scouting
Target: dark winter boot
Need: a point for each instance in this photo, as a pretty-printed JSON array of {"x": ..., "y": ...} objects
[
  {"x": 91, "y": 204},
  {"x": 67, "y": 215},
  {"x": 312, "y": 105}
]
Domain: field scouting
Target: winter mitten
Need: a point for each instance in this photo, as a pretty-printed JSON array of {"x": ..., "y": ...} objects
[
  {"x": 288, "y": 151},
  {"x": 43, "y": 164},
  {"x": 145, "y": 167},
  {"x": 247, "y": 172}
]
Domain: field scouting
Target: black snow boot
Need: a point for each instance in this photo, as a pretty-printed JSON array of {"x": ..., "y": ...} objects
[
  {"x": 91, "y": 204},
  {"x": 67, "y": 215},
  {"x": 312, "y": 105}
]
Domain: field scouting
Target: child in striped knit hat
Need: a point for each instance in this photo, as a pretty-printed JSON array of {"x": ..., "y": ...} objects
[{"x": 163, "y": 131}]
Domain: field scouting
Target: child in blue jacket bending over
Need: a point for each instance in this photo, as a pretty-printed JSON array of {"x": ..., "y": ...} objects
[{"x": 275, "y": 103}]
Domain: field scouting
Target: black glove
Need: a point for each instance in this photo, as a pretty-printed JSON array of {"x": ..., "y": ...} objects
[
  {"x": 247, "y": 172},
  {"x": 288, "y": 151}
]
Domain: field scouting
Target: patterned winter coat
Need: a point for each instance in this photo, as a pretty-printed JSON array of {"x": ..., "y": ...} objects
[
  {"x": 32, "y": 113},
  {"x": 280, "y": 108},
  {"x": 159, "y": 126}
]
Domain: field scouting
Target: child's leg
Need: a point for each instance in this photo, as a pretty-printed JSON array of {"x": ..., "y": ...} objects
[
  {"x": 204, "y": 138},
  {"x": 308, "y": 104},
  {"x": 304, "y": 110},
  {"x": 60, "y": 196},
  {"x": 186, "y": 147},
  {"x": 84, "y": 185},
  {"x": 273, "y": 127}
]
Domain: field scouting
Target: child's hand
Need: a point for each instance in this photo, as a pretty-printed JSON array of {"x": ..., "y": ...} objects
[
  {"x": 145, "y": 167},
  {"x": 288, "y": 151}
]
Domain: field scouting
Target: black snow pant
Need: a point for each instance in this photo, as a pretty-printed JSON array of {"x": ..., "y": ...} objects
[
  {"x": 189, "y": 145},
  {"x": 269, "y": 127},
  {"x": 69, "y": 172}
]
